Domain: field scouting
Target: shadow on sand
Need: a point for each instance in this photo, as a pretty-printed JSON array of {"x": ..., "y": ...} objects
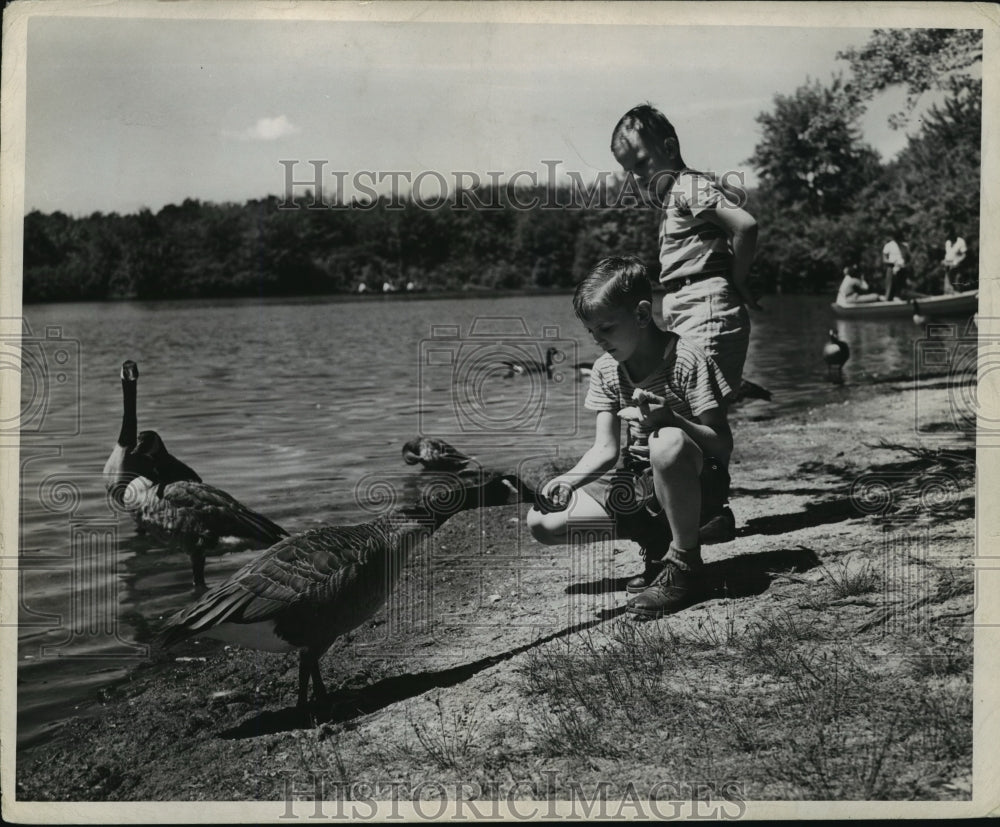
[{"x": 345, "y": 704}]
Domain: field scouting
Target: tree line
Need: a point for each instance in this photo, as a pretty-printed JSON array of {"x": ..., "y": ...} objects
[{"x": 825, "y": 200}]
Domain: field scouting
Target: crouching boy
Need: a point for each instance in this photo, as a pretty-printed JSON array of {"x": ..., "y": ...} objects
[{"x": 669, "y": 478}]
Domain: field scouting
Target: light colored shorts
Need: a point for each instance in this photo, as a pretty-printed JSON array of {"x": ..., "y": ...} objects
[
  {"x": 711, "y": 313},
  {"x": 630, "y": 501}
]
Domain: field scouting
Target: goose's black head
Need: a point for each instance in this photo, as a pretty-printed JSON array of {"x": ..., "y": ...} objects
[
  {"x": 130, "y": 371},
  {"x": 505, "y": 489},
  {"x": 446, "y": 498},
  {"x": 149, "y": 444},
  {"x": 411, "y": 452}
]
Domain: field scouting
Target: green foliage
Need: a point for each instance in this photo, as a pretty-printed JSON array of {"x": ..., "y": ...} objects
[
  {"x": 810, "y": 156},
  {"x": 825, "y": 201},
  {"x": 918, "y": 59},
  {"x": 487, "y": 238}
]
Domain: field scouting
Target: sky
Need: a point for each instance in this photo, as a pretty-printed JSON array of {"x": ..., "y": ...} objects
[{"x": 124, "y": 114}]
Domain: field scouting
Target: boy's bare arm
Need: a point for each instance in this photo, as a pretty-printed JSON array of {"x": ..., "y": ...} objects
[
  {"x": 709, "y": 430},
  {"x": 599, "y": 458},
  {"x": 741, "y": 227},
  {"x": 603, "y": 454}
]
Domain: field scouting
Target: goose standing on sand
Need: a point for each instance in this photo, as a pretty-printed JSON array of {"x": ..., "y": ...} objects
[
  {"x": 835, "y": 354},
  {"x": 308, "y": 590},
  {"x": 526, "y": 366},
  {"x": 189, "y": 514},
  {"x": 434, "y": 454},
  {"x": 120, "y": 469}
]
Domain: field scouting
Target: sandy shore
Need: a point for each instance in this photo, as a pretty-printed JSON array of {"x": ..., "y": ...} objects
[{"x": 439, "y": 687}]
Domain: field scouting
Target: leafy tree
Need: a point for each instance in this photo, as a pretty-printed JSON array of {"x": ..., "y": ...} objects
[
  {"x": 918, "y": 59},
  {"x": 810, "y": 155}
]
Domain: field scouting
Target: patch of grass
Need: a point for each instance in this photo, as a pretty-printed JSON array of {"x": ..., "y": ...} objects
[
  {"x": 954, "y": 583},
  {"x": 791, "y": 710},
  {"x": 848, "y": 581},
  {"x": 449, "y": 741},
  {"x": 710, "y": 633}
]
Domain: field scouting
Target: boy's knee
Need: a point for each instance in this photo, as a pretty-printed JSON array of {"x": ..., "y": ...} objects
[
  {"x": 540, "y": 527},
  {"x": 672, "y": 450}
]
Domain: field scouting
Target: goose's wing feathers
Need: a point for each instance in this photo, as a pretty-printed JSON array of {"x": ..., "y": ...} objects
[
  {"x": 220, "y": 512},
  {"x": 318, "y": 567},
  {"x": 172, "y": 469},
  {"x": 434, "y": 454}
]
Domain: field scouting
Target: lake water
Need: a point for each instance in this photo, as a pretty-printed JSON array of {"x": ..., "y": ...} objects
[{"x": 296, "y": 407}]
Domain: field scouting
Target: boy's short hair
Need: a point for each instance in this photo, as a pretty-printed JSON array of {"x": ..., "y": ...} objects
[
  {"x": 616, "y": 281},
  {"x": 648, "y": 122}
]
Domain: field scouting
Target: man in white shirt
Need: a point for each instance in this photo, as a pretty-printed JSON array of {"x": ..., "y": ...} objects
[
  {"x": 955, "y": 252},
  {"x": 894, "y": 262}
]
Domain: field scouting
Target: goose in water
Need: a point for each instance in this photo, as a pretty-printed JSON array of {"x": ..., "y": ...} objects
[
  {"x": 835, "y": 354},
  {"x": 434, "y": 454},
  {"x": 308, "y": 590},
  {"x": 120, "y": 468},
  {"x": 189, "y": 514},
  {"x": 526, "y": 366}
]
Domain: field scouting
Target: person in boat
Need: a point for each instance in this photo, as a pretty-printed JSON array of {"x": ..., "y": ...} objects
[
  {"x": 854, "y": 289},
  {"x": 955, "y": 252},
  {"x": 894, "y": 262}
]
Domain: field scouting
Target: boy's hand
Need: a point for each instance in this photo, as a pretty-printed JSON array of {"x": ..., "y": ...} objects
[
  {"x": 650, "y": 410},
  {"x": 748, "y": 298},
  {"x": 555, "y": 495}
]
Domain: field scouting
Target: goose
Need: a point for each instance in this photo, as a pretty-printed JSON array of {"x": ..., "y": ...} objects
[
  {"x": 526, "y": 366},
  {"x": 308, "y": 590},
  {"x": 188, "y": 513},
  {"x": 165, "y": 466},
  {"x": 434, "y": 454},
  {"x": 835, "y": 354},
  {"x": 119, "y": 470},
  {"x": 751, "y": 390}
]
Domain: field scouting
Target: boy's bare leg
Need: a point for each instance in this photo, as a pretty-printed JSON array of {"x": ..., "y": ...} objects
[
  {"x": 553, "y": 528},
  {"x": 677, "y": 463}
]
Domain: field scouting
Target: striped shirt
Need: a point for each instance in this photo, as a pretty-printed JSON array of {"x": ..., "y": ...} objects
[
  {"x": 687, "y": 378},
  {"x": 690, "y": 245}
]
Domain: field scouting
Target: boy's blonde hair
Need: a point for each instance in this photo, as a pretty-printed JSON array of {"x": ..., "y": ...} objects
[
  {"x": 616, "y": 281},
  {"x": 646, "y": 121}
]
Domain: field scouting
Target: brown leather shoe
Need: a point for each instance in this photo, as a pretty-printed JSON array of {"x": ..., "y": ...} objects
[
  {"x": 720, "y": 529},
  {"x": 672, "y": 590},
  {"x": 654, "y": 565}
]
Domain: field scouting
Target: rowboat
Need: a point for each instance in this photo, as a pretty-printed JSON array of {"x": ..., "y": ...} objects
[{"x": 955, "y": 304}]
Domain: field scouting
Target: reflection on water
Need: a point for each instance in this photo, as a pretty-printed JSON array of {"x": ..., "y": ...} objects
[{"x": 295, "y": 407}]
